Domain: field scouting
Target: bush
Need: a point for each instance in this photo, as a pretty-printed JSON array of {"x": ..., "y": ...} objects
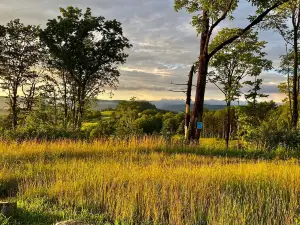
[{"x": 103, "y": 129}]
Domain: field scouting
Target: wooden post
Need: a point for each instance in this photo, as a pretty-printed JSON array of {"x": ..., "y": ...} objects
[{"x": 188, "y": 105}]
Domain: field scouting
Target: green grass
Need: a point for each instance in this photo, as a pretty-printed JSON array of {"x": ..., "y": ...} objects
[
  {"x": 89, "y": 125},
  {"x": 107, "y": 114},
  {"x": 149, "y": 181}
]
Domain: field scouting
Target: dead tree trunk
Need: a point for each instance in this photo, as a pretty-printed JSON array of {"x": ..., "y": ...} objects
[{"x": 188, "y": 104}]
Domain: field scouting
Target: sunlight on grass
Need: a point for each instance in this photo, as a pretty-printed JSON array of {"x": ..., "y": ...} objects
[{"x": 148, "y": 181}]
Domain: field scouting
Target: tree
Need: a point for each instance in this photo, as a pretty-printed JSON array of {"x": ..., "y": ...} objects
[
  {"x": 279, "y": 20},
  {"x": 133, "y": 104},
  {"x": 60, "y": 81},
  {"x": 89, "y": 49},
  {"x": 243, "y": 57},
  {"x": 253, "y": 93},
  {"x": 209, "y": 16},
  {"x": 149, "y": 124},
  {"x": 20, "y": 53},
  {"x": 250, "y": 124},
  {"x": 286, "y": 87}
]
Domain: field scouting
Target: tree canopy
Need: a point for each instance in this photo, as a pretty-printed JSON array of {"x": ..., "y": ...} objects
[{"x": 89, "y": 49}]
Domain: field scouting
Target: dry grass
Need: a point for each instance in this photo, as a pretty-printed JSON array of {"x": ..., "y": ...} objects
[{"x": 139, "y": 182}]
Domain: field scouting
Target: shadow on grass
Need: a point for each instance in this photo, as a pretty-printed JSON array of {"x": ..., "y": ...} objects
[
  {"x": 255, "y": 154},
  {"x": 24, "y": 217},
  {"x": 209, "y": 151}
]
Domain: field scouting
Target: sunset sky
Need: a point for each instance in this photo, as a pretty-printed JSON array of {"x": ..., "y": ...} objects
[{"x": 165, "y": 44}]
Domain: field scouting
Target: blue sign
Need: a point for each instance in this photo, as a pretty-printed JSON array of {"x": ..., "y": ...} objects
[{"x": 199, "y": 125}]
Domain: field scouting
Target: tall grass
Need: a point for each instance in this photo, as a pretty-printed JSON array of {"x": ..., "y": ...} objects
[{"x": 149, "y": 181}]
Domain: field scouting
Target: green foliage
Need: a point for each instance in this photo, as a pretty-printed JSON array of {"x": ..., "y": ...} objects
[
  {"x": 214, "y": 123},
  {"x": 88, "y": 49},
  {"x": 104, "y": 129},
  {"x": 149, "y": 124},
  {"x": 266, "y": 125},
  {"x": 4, "y": 220},
  {"x": 138, "y": 106},
  {"x": 173, "y": 124},
  {"x": 20, "y": 55},
  {"x": 243, "y": 57},
  {"x": 215, "y": 10},
  {"x": 253, "y": 93}
]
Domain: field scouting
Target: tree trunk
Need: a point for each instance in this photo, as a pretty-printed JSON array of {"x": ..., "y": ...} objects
[
  {"x": 80, "y": 107},
  {"x": 289, "y": 93},
  {"x": 55, "y": 109},
  {"x": 255, "y": 94},
  {"x": 295, "y": 83},
  {"x": 74, "y": 107},
  {"x": 197, "y": 115},
  {"x": 14, "y": 108},
  {"x": 289, "y": 85},
  {"x": 228, "y": 127},
  {"x": 65, "y": 104},
  {"x": 188, "y": 105}
]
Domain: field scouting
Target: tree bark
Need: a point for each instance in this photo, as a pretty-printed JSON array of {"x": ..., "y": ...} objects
[
  {"x": 80, "y": 107},
  {"x": 188, "y": 105},
  {"x": 289, "y": 84},
  {"x": 198, "y": 110},
  {"x": 65, "y": 101},
  {"x": 228, "y": 127},
  {"x": 14, "y": 107},
  {"x": 295, "y": 83},
  {"x": 55, "y": 109}
]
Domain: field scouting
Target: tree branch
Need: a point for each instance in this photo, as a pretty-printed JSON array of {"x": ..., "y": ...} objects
[
  {"x": 178, "y": 91},
  {"x": 281, "y": 32},
  {"x": 219, "y": 88},
  {"x": 243, "y": 31},
  {"x": 223, "y": 17}
]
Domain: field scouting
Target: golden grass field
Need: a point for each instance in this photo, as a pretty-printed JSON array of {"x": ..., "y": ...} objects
[{"x": 148, "y": 181}]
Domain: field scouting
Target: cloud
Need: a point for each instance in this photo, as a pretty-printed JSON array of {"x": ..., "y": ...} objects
[{"x": 164, "y": 43}]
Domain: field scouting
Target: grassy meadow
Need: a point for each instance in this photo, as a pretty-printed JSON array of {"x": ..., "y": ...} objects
[{"x": 148, "y": 181}]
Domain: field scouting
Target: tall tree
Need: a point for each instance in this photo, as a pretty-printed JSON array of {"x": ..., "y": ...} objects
[
  {"x": 243, "y": 57},
  {"x": 286, "y": 20},
  {"x": 286, "y": 69},
  {"x": 89, "y": 49},
  {"x": 209, "y": 16},
  {"x": 20, "y": 51}
]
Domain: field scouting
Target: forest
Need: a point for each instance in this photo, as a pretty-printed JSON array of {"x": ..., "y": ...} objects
[{"x": 64, "y": 159}]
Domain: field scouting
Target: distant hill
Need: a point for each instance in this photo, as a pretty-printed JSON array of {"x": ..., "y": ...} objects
[
  {"x": 171, "y": 105},
  {"x": 105, "y": 104},
  {"x": 181, "y": 107}
]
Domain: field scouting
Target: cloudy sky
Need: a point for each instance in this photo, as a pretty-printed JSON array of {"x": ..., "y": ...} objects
[{"x": 165, "y": 44}]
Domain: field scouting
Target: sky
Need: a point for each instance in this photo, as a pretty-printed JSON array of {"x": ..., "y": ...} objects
[{"x": 164, "y": 43}]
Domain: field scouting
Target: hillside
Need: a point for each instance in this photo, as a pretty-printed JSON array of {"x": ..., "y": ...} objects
[{"x": 171, "y": 105}]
